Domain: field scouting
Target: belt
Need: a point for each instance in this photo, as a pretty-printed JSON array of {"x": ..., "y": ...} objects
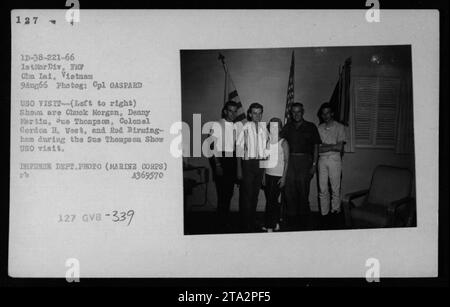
[{"x": 300, "y": 154}]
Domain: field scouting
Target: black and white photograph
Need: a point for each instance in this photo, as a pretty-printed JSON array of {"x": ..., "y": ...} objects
[
  {"x": 233, "y": 147},
  {"x": 343, "y": 153}
]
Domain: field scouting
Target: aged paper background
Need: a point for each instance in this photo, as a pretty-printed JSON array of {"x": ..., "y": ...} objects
[{"x": 144, "y": 46}]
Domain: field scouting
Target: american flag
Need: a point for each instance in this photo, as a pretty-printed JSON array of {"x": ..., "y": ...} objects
[
  {"x": 290, "y": 90},
  {"x": 230, "y": 92}
]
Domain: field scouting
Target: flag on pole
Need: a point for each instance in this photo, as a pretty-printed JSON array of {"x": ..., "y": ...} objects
[
  {"x": 230, "y": 91},
  {"x": 290, "y": 90},
  {"x": 233, "y": 96},
  {"x": 340, "y": 102},
  {"x": 340, "y": 99}
]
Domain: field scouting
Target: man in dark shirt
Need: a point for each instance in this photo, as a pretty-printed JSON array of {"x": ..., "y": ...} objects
[
  {"x": 303, "y": 139},
  {"x": 224, "y": 163}
]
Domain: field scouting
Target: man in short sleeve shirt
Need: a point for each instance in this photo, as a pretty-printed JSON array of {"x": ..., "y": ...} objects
[
  {"x": 332, "y": 134},
  {"x": 303, "y": 139}
]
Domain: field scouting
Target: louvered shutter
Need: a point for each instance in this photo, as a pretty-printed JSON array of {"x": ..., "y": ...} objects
[{"x": 376, "y": 110}]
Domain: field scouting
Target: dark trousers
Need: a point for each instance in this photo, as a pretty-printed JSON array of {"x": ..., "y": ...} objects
[
  {"x": 298, "y": 180},
  {"x": 225, "y": 188},
  {"x": 252, "y": 176},
  {"x": 273, "y": 207}
]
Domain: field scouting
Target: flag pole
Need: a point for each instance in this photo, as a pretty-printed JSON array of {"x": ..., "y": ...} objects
[
  {"x": 222, "y": 59},
  {"x": 230, "y": 91}
]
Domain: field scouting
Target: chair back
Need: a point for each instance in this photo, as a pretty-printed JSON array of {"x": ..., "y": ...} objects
[{"x": 389, "y": 183}]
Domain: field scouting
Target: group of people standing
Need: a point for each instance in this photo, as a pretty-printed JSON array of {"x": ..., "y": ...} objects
[{"x": 280, "y": 159}]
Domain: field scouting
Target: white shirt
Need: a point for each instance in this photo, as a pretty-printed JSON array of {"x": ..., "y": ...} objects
[
  {"x": 332, "y": 134},
  {"x": 275, "y": 164},
  {"x": 252, "y": 141}
]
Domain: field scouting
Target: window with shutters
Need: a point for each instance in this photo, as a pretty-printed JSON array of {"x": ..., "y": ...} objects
[{"x": 376, "y": 108}]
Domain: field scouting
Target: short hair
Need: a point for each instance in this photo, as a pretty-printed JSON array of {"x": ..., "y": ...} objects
[
  {"x": 293, "y": 105},
  {"x": 273, "y": 120},
  {"x": 229, "y": 103},
  {"x": 326, "y": 105},
  {"x": 296, "y": 104},
  {"x": 254, "y": 105}
]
